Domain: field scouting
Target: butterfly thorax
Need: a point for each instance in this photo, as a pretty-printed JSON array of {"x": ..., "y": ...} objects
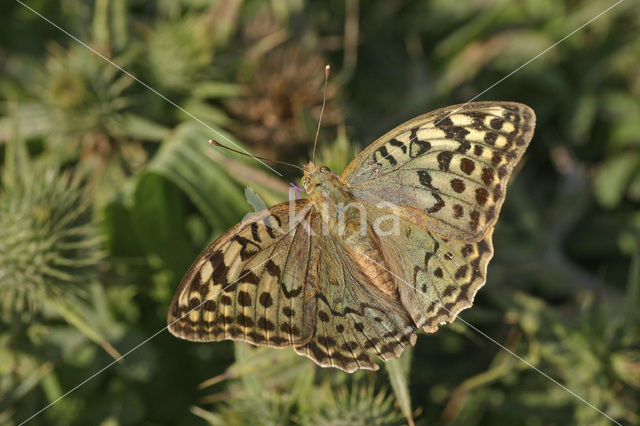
[
  {"x": 345, "y": 218},
  {"x": 326, "y": 192}
]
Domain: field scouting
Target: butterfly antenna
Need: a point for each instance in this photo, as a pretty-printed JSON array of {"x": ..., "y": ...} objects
[
  {"x": 216, "y": 143},
  {"x": 324, "y": 101}
]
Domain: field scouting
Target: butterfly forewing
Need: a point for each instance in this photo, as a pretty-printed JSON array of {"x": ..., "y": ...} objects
[
  {"x": 447, "y": 170},
  {"x": 251, "y": 284}
]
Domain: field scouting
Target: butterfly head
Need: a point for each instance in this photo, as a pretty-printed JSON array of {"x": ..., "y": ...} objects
[{"x": 319, "y": 178}]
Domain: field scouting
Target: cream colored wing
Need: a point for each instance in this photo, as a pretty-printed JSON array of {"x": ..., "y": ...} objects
[
  {"x": 447, "y": 170},
  {"x": 252, "y": 283}
]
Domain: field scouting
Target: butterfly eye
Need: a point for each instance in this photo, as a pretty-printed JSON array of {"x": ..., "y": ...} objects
[{"x": 324, "y": 169}]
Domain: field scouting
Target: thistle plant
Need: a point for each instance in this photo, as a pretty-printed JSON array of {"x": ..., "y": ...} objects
[
  {"x": 179, "y": 52},
  {"x": 78, "y": 102},
  {"x": 359, "y": 405},
  {"x": 49, "y": 246},
  {"x": 267, "y": 386},
  {"x": 280, "y": 110}
]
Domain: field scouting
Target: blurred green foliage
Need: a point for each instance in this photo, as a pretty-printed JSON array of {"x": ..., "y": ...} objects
[{"x": 108, "y": 192}]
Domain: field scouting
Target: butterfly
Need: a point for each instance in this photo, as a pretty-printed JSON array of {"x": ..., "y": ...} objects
[{"x": 398, "y": 243}]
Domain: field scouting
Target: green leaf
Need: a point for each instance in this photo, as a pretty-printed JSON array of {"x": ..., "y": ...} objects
[
  {"x": 583, "y": 118},
  {"x": 76, "y": 319},
  {"x": 252, "y": 362},
  {"x": 118, "y": 226},
  {"x": 632, "y": 297},
  {"x": 626, "y": 365},
  {"x": 185, "y": 160},
  {"x": 398, "y": 371},
  {"x": 613, "y": 177},
  {"x": 137, "y": 127},
  {"x": 16, "y": 160},
  {"x": 216, "y": 89},
  {"x": 158, "y": 219},
  {"x": 101, "y": 33},
  {"x": 623, "y": 110}
]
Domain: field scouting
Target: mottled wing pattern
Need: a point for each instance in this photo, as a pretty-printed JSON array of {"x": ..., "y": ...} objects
[
  {"x": 436, "y": 277},
  {"x": 252, "y": 283},
  {"x": 274, "y": 283},
  {"x": 279, "y": 280},
  {"x": 447, "y": 170},
  {"x": 354, "y": 321}
]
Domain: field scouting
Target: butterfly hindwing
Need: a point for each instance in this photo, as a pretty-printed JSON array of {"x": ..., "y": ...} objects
[
  {"x": 354, "y": 322},
  {"x": 447, "y": 170},
  {"x": 251, "y": 283},
  {"x": 436, "y": 277}
]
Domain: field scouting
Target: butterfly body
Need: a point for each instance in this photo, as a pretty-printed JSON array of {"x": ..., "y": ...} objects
[
  {"x": 400, "y": 241},
  {"x": 346, "y": 219}
]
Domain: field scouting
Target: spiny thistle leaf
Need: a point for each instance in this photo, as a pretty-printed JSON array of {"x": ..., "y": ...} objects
[{"x": 49, "y": 245}]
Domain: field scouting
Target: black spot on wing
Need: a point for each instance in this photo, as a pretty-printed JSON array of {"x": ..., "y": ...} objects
[
  {"x": 254, "y": 232},
  {"x": 396, "y": 143},
  {"x": 418, "y": 147},
  {"x": 220, "y": 270},
  {"x": 451, "y": 131},
  {"x": 444, "y": 159},
  {"x": 249, "y": 248},
  {"x": 385, "y": 155},
  {"x": 424, "y": 178}
]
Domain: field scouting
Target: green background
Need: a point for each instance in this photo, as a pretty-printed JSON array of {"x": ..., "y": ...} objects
[{"x": 108, "y": 192}]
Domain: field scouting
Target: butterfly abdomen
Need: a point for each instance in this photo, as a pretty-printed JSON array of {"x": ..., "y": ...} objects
[{"x": 361, "y": 245}]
